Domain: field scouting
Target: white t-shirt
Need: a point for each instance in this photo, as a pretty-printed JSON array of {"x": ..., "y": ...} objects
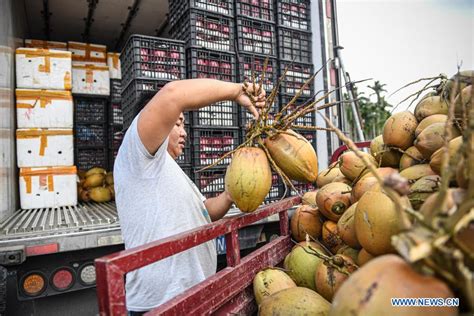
[{"x": 156, "y": 199}]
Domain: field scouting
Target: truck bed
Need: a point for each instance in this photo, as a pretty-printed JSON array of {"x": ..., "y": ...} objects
[{"x": 65, "y": 226}]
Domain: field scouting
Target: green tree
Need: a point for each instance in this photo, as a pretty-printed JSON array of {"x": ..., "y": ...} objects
[{"x": 373, "y": 114}]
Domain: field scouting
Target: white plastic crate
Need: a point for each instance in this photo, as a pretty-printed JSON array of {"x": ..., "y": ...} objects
[
  {"x": 44, "y": 147},
  {"x": 113, "y": 61},
  {"x": 84, "y": 53},
  {"x": 38, "y": 68},
  {"x": 48, "y": 187},
  {"x": 90, "y": 79},
  {"x": 44, "y": 109}
]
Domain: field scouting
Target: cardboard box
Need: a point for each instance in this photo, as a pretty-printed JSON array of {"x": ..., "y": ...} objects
[
  {"x": 90, "y": 79},
  {"x": 44, "y": 147},
  {"x": 38, "y": 68},
  {"x": 44, "y": 109},
  {"x": 113, "y": 61},
  {"x": 48, "y": 187},
  {"x": 91, "y": 54}
]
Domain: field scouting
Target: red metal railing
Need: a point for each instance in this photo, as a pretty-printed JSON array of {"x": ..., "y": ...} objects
[
  {"x": 343, "y": 148},
  {"x": 225, "y": 292}
]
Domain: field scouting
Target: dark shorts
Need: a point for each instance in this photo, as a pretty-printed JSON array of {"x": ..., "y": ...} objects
[{"x": 132, "y": 313}]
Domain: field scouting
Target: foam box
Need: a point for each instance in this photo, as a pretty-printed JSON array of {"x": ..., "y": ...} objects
[
  {"x": 113, "y": 61},
  {"x": 33, "y": 43},
  {"x": 48, "y": 187},
  {"x": 91, "y": 54},
  {"x": 44, "y": 108},
  {"x": 90, "y": 79},
  {"x": 44, "y": 147},
  {"x": 38, "y": 68}
]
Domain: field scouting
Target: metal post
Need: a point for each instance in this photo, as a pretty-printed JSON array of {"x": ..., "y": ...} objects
[{"x": 360, "y": 133}]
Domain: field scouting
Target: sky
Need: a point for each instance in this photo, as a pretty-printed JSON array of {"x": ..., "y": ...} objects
[{"x": 400, "y": 41}]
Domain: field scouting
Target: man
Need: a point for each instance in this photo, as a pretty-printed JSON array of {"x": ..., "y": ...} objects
[{"x": 155, "y": 199}]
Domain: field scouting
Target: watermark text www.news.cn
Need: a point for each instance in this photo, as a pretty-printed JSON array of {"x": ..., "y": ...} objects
[{"x": 425, "y": 301}]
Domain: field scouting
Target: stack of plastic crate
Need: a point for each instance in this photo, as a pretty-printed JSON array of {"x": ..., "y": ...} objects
[
  {"x": 295, "y": 55},
  {"x": 115, "y": 125},
  {"x": 256, "y": 41},
  {"x": 148, "y": 63},
  {"x": 207, "y": 27}
]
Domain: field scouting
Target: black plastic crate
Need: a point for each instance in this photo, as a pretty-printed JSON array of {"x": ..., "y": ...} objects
[
  {"x": 188, "y": 171},
  {"x": 209, "y": 144},
  {"x": 90, "y": 110},
  {"x": 115, "y": 90},
  {"x": 87, "y": 135},
  {"x": 203, "y": 63},
  {"x": 148, "y": 57},
  {"x": 116, "y": 135},
  {"x": 177, "y": 7},
  {"x": 220, "y": 114},
  {"x": 115, "y": 113},
  {"x": 88, "y": 158},
  {"x": 296, "y": 76},
  {"x": 256, "y": 9},
  {"x": 295, "y": 14},
  {"x": 307, "y": 120},
  {"x": 246, "y": 117},
  {"x": 203, "y": 29},
  {"x": 256, "y": 37},
  {"x": 111, "y": 159},
  {"x": 248, "y": 62},
  {"x": 275, "y": 193},
  {"x": 136, "y": 95},
  {"x": 210, "y": 182},
  {"x": 294, "y": 45}
]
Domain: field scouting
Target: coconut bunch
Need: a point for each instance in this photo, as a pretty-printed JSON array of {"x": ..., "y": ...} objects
[
  {"x": 271, "y": 144},
  {"x": 95, "y": 184},
  {"x": 423, "y": 212}
]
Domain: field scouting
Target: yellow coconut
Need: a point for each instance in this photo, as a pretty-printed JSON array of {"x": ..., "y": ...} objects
[
  {"x": 427, "y": 121},
  {"x": 430, "y": 106},
  {"x": 294, "y": 301},
  {"x": 100, "y": 194},
  {"x": 422, "y": 189},
  {"x": 352, "y": 167},
  {"x": 330, "y": 236},
  {"x": 437, "y": 157},
  {"x": 94, "y": 180},
  {"x": 109, "y": 178},
  {"x": 95, "y": 170},
  {"x": 329, "y": 279},
  {"x": 346, "y": 227},
  {"x": 270, "y": 281},
  {"x": 382, "y": 171},
  {"x": 411, "y": 157},
  {"x": 309, "y": 198},
  {"x": 349, "y": 252},
  {"x": 363, "y": 185},
  {"x": 432, "y": 138},
  {"x": 417, "y": 171},
  {"x": 327, "y": 176},
  {"x": 248, "y": 178},
  {"x": 369, "y": 290},
  {"x": 304, "y": 221},
  {"x": 377, "y": 219},
  {"x": 294, "y": 154},
  {"x": 399, "y": 130},
  {"x": 333, "y": 199},
  {"x": 341, "y": 179},
  {"x": 463, "y": 78},
  {"x": 301, "y": 265},
  {"x": 364, "y": 257},
  {"x": 384, "y": 156},
  {"x": 454, "y": 197},
  {"x": 84, "y": 196}
]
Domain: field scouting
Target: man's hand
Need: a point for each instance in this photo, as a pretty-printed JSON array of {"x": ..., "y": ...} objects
[{"x": 244, "y": 100}]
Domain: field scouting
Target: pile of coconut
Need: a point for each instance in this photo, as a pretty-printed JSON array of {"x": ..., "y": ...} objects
[{"x": 397, "y": 222}]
